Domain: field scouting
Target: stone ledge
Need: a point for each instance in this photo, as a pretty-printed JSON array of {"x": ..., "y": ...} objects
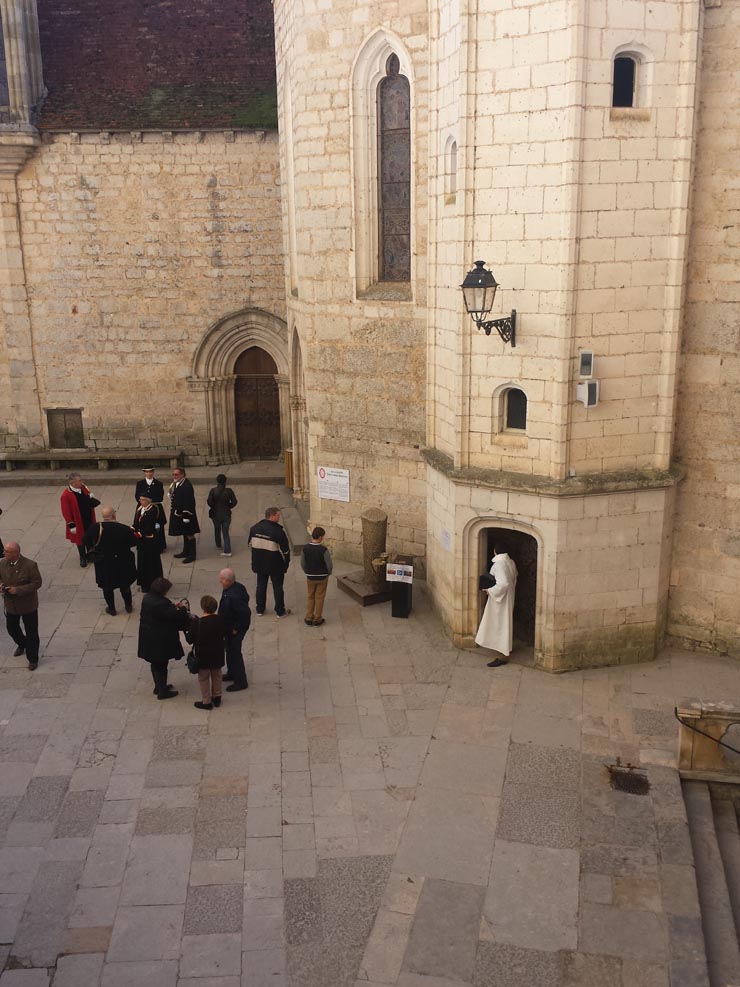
[{"x": 581, "y": 486}]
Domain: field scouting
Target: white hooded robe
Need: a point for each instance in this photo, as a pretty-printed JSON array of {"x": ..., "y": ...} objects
[{"x": 496, "y": 630}]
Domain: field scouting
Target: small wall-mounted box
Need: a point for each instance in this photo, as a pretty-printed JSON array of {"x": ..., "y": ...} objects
[
  {"x": 586, "y": 363},
  {"x": 587, "y": 392}
]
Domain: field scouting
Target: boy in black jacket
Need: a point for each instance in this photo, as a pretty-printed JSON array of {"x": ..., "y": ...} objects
[{"x": 316, "y": 563}]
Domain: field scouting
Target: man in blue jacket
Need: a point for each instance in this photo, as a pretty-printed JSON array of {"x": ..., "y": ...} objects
[
  {"x": 270, "y": 559},
  {"x": 236, "y": 615}
]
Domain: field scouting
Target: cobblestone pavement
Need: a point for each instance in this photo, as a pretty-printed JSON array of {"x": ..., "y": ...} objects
[{"x": 378, "y": 808}]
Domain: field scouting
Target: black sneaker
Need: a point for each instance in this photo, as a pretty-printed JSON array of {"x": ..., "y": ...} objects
[
  {"x": 309, "y": 622},
  {"x": 285, "y": 613}
]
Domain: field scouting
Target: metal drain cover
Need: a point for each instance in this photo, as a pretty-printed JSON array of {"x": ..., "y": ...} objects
[{"x": 628, "y": 778}]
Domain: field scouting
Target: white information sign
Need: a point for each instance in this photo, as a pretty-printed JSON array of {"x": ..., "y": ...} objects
[
  {"x": 399, "y": 573},
  {"x": 333, "y": 483},
  {"x": 446, "y": 540}
]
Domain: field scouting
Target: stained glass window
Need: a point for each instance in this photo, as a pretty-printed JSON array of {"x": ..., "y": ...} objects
[{"x": 394, "y": 168}]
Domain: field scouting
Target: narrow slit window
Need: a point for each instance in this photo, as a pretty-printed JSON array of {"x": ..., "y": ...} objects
[
  {"x": 516, "y": 409},
  {"x": 625, "y": 81},
  {"x": 451, "y": 189},
  {"x": 394, "y": 185}
]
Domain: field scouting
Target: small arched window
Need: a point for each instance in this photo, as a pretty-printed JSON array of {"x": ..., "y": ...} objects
[
  {"x": 394, "y": 185},
  {"x": 515, "y": 409},
  {"x": 624, "y": 82}
]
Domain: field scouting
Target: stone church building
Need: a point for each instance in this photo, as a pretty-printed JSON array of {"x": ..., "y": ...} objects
[{"x": 240, "y": 227}]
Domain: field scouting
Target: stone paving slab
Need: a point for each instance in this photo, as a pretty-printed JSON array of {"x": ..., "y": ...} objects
[{"x": 378, "y": 808}]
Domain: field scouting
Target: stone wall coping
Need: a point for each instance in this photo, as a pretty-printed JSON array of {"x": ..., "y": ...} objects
[
  {"x": 694, "y": 709},
  {"x": 577, "y": 486}
]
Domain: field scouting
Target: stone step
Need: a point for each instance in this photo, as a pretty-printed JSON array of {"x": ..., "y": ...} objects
[
  {"x": 723, "y": 954},
  {"x": 728, "y": 839}
]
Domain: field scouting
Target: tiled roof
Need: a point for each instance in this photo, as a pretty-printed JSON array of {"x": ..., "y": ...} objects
[{"x": 158, "y": 64}]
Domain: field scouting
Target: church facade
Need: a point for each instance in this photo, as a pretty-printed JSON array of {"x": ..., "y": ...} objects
[{"x": 179, "y": 272}]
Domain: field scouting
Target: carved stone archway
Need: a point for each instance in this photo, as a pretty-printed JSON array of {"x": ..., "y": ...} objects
[{"x": 213, "y": 373}]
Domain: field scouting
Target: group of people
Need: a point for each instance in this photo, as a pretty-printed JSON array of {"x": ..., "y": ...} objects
[{"x": 217, "y": 634}]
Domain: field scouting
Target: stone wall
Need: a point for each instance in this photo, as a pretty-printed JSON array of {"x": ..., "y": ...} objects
[
  {"x": 134, "y": 245},
  {"x": 363, "y": 352},
  {"x": 705, "y": 581}
]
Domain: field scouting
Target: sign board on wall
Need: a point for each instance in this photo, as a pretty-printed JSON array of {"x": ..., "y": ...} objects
[{"x": 333, "y": 483}]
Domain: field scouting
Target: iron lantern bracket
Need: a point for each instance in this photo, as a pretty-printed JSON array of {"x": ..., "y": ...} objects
[{"x": 506, "y": 328}]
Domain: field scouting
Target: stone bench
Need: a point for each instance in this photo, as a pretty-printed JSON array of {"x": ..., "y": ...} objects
[{"x": 104, "y": 457}]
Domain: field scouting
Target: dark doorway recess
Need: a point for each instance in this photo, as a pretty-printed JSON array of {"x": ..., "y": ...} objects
[
  {"x": 257, "y": 405},
  {"x": 523, "y": 550}
]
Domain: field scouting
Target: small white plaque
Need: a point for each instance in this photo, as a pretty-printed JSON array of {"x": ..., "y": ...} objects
[
  {"x": 333, "y": 483},
  {"x": 399, "y": 573},
  {"x": 446, "y": 540}
]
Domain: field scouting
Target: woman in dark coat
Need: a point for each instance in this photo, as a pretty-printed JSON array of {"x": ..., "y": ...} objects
[
  {"x": 148, "y": 561},
  {"x": 206, "y": 634},
  {"x": 160, "y": 624}
]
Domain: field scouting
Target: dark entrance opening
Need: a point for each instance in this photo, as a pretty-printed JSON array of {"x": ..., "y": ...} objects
[
  {"x": 523, "y": 550},
  {"x": 257, "y": 404}
]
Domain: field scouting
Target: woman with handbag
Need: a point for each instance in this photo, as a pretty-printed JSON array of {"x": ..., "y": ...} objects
[
  {"x": 160, "y": 624},
  {"x": 206, "y": 634},
  {"x": 78, "y": 510}
]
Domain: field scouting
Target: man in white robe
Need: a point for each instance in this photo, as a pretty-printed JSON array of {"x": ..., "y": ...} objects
[{"x": 496, "y": 631}]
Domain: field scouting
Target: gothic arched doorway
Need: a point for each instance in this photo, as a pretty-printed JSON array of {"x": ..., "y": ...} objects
[
  {"x": 523, "y": 550},
  {"x": 257, "y": 405},
  {"x": 218, "y": 364}
]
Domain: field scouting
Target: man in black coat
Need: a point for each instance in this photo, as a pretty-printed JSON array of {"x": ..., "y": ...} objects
[
  {"x": 270, "y": 559},
  {"x": 153, "y": 488},
  {"x": 183, "y": 518},
  {"x": 233, "y": 609},
  {"x": 115, "y": 567}
]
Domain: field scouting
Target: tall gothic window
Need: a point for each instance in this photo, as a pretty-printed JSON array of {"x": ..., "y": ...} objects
[{"x": 394, "y": 184}]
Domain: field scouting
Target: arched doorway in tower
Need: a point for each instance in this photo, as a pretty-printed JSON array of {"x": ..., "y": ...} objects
[
  {"x": 523, "y": 550},
  {"x": 257, "y": 405}
]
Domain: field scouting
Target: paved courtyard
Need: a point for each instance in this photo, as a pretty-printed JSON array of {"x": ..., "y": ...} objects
[{"x": 378, "y": 809}]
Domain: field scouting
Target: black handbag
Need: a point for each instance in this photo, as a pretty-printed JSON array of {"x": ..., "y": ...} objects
[
  {"x": 93, "y": 553},
  {"x": 192, "y": 662}
]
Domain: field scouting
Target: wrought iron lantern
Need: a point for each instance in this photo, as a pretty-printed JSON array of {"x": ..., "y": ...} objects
[{"x": 479, "y": 291}]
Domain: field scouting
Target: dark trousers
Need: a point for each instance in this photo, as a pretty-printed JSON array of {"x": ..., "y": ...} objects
[
  {"x": 159, "y": 674},
  {"x": 110, "y": 600},
  {"x": 277, "y": 589},
  {"x": 189, "y": 546},
  {"x": 234, "y": 660},
  {"x": 222, "y": 528},
  {"x": 83, "y": 553},
  {"x": 28, "y": 640}
]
